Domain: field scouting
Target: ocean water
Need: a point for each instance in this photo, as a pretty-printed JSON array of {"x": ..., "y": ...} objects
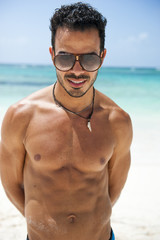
[{"x": 136, "y": 90}]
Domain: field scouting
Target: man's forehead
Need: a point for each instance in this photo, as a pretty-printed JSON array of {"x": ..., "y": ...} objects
[
  {"x": 65, "y": 30},
  {"x": 76, "y": 40}
]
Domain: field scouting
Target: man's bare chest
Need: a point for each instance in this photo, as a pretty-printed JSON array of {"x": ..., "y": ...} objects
[{"x": 62, "y": 140}]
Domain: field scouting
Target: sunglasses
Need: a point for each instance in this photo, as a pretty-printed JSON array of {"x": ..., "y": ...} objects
[{"x": 89, "y": 62}]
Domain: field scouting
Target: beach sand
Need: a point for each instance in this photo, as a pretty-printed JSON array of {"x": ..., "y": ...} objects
[{"x": 136, "y": 215}]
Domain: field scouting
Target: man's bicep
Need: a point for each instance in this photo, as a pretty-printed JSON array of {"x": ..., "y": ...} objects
[
  {"x": 11, "y": 164},
  {"x": 11, "y": 168},
  {"x": 12, "y": 150},
  {"x": 118, "y": 168},
  {"x": 119, "y": 163}
]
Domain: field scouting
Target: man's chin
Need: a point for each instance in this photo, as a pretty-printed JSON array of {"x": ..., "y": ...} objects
[{"x": 76, "y": 93}]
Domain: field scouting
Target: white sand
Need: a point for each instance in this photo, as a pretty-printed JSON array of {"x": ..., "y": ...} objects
[{"x": 136, "y": 215}]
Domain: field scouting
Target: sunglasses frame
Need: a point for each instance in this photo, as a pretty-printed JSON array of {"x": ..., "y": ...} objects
[{"x": 77, "y": 58}]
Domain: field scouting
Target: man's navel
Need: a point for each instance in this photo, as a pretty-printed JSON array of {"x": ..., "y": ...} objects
[{"x": 71, "y": 218}]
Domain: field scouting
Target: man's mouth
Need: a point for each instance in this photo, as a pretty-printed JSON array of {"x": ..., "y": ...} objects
[{"x": 76, "y": 83}]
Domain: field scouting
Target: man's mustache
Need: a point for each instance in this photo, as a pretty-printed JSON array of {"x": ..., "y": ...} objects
[{"x": 76, "y": 77}]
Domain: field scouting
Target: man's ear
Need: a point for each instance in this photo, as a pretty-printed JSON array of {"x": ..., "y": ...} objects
[
  {"x": 103, "y": 54},
  {"x": 51, "y": 52}
]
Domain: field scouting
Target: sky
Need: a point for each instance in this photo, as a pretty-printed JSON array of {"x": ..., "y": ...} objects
[{"x": 132, "y": 31}]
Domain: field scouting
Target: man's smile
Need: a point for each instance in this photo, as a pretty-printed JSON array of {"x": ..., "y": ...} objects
[{"x": 76, "y": 83}]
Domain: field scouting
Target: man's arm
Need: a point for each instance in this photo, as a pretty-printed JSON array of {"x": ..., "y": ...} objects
[
  {"x": 12, "y": 155},
  {"x": 119, "y": 163}
]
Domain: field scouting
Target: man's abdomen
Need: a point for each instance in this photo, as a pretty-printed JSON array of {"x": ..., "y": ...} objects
[{"x": 67, "y": 205}]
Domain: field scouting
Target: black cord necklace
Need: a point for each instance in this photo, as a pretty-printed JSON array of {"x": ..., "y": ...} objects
[{"x": 87, "y": 118}]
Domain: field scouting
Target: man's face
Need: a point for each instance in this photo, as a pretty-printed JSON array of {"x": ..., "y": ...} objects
[{"x": 76, "y": 81}]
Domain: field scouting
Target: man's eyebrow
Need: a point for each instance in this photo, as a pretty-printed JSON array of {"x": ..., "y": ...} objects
[
  {"x": 62, "y": 52},
  {"x": 92, "y": 53}
]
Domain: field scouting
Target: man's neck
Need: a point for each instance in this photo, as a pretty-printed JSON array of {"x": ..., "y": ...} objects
[{"x": 75, "y": 104}]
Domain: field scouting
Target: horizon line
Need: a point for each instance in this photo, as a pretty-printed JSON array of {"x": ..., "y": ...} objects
[{"x": 103, "y": 66}]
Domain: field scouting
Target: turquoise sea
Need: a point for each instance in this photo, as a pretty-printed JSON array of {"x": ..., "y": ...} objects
[{"x": 136, "y": 90}]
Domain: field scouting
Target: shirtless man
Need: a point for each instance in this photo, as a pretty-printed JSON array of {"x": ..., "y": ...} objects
[{"x": 65, "y": 149}]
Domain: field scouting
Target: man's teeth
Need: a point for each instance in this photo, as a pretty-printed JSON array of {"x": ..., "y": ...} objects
[{"x": 77, "y": 82}]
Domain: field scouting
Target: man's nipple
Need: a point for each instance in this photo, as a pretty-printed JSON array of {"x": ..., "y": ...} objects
[
  {"x": 37, "y": 157},
  {"x": 102, "y": 160}
]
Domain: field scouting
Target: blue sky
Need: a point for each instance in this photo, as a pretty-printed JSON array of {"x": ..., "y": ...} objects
[{"x": 132, "y": 32}]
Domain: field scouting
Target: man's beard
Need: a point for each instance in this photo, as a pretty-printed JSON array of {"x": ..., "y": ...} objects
[{"x": 76, "y": 92}]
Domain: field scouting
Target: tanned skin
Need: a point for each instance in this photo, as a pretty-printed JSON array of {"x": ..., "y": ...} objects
[{"x": 63, "y": 178}]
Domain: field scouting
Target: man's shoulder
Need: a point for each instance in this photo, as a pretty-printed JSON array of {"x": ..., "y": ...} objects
[
  {"x": 22, "y": 111},
  {"x": 118, "y": 117}
]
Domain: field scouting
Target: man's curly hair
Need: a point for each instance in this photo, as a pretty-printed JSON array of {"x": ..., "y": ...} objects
[{"x": 78, "y": 16}]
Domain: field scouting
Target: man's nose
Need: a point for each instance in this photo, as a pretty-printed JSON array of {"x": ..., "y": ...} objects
[{"x": 77, "y": 66}]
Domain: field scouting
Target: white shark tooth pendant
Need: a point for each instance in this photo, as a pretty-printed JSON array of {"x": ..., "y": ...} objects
[{"x": 89, "y": 126}]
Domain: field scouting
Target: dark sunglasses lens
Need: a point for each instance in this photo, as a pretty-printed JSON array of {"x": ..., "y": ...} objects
[
  {"x": 90, "y": 62},
  {"x": 64, "y": 62}
]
